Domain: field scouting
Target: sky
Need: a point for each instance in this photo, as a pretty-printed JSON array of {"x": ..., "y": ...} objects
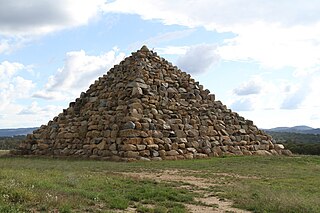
[{"x": 260, "y": 58}]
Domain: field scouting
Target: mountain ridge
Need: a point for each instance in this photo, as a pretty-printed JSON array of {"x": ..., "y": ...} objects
[
  {"x": 302, "y": 129},
  {"x": 10, "y": 132}
]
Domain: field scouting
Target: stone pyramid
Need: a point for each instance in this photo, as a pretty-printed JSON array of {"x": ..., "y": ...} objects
[{"x": 147, "y": 109}]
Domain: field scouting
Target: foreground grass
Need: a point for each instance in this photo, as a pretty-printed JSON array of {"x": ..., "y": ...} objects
[
  {"x": 259, "y": 184},
  {"x": 61, "y": 186}
]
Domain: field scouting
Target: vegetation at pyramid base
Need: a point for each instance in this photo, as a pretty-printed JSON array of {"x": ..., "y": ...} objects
[
  {"x": 9, "y": 143},
  {"x": 306, "y": 144}
]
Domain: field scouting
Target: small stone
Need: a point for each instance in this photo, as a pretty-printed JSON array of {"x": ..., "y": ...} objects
[
  {"x": 131, "y": 154},
  {"x": 153, "y": 147},
  {"x": 148, "y": 141},
  {"x": 101, "y": 145},
  {"x": 166, "y": 126},
  {"x": 193, "y": 150},
  {"x": 129, "y": 147},
  {"x": 144, "y": 48},
  {"x": 262, "y": 153},
  {"x": 242, "y": 131},
  {"x": 145, "y": 153},
  {"x": 136, "y": 92},
  {"x": 224, "y": 132},
  {"x": 144, "y": 159},
  {"x": 172, "y": 153},
  {"x": 274, "y": 152},
  {"x": 278, "y": 146},
  {"x": 141, "y": 147},
  {"x": 155, "y": 153},
  {"x": 129, "y": 133},
  {"x": 113, "y": 147},
  {"x": 162, "y": 153},
  {"x": 129, "y": 125},
  {"x": 156, "y": 158},
  {"x": 135, "y": 84},
  {"x": 180, "y": 134},
  {"x": 43, "y": 146},
  {"x": 286, "y": 152},
  {"x": 182, "y": 90},
  {"x": 192, "y": 133}
]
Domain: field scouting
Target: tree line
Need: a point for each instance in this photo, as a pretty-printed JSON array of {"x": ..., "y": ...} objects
[
  {"x": 7, "y": 143},
  {"x": 305, "y": 144}
]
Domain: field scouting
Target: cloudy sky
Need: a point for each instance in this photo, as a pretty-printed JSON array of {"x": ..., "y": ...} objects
[{"x": 261, "y": 58}]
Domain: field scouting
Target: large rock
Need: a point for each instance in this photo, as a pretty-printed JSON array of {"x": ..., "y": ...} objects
[{"x": 147, "y": 109}]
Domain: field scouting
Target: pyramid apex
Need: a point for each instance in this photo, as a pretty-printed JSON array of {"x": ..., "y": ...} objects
[{"x": 144, "y": 48}]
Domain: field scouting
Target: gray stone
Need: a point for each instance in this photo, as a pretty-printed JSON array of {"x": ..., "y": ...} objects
[
  {"x": 172, "y": 153},
  {"x": 129, "y": 125}
]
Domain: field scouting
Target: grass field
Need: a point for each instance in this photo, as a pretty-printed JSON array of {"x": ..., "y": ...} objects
[{"x": 257, "y": 184}]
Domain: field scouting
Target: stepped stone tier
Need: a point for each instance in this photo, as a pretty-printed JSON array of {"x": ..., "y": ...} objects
[{"x": 147, "y": 109}]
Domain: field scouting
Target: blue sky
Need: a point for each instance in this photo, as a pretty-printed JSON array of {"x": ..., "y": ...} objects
[{"x": 260, "y": 58}]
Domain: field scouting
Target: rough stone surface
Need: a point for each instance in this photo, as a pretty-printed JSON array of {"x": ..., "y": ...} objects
[{"x": 147, "y": 109}]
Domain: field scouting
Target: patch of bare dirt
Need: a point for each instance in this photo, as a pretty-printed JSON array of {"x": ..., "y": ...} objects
[
  {"x": 4, "y": 152},
  {"x": 207, "y": 203}
]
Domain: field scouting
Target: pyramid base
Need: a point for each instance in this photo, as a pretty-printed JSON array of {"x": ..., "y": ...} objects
[{"x": 133, "y": 156}]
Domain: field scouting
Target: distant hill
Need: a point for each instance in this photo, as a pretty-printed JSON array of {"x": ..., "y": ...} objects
[
  {"x": 15, "y": 132},
  {"x": 296, "y": 129}
]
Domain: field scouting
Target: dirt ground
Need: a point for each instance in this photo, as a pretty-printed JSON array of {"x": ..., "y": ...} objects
[{"x": 207, "y": 202}]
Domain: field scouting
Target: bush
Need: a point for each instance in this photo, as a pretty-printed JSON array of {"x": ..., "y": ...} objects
[{"x": 7, "y": 143}]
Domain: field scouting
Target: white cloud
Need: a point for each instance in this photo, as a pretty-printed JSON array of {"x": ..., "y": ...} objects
[
  {"x": 22, "y": 87},
  {"x": 275, "y": 34},
  {"x": 312, "y": 101},
  {"x": 4, "y": 46},
  {"x": 39, "y": 17},
  {"x": 294, "y": 100},
  {"x": 243, "y": 104},
  {"x": 8, "y": 69},
  {"x": 35, "y": 109},
  {"x": 9, "y": 44},
  {"x": 22, "y": 22},
  {"x": 12, "y": 88},
  {"x": 79, "y": 71},
  {"x": 280, "y": 117},
  {"x": 275, "y": 46},
  {"x": 172, "y": 50},
  {"x": 303, "y": 94},
  {"x": 154, "y": 41},
  {"x": 253, "y": 86},
  {"x": 258, "y": 93},
  {"x": 33, "y": 115},
  {"x": 10, "y": 83},
  {"x": 216, "y": 14},
  {"x": 49, "y": 95},
  {"x": 198, "y": 59}
]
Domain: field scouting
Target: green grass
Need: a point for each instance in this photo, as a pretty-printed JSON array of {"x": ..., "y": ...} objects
[
  {"x": 67, "y": 186},
  {"x": 259, "y": 184}
]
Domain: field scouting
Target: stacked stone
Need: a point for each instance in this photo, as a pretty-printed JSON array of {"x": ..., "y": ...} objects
[{"x": 147, "y": 109}]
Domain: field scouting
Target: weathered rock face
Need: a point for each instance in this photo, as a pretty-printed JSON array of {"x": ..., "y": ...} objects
[{"x": 147, "y": 109}]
